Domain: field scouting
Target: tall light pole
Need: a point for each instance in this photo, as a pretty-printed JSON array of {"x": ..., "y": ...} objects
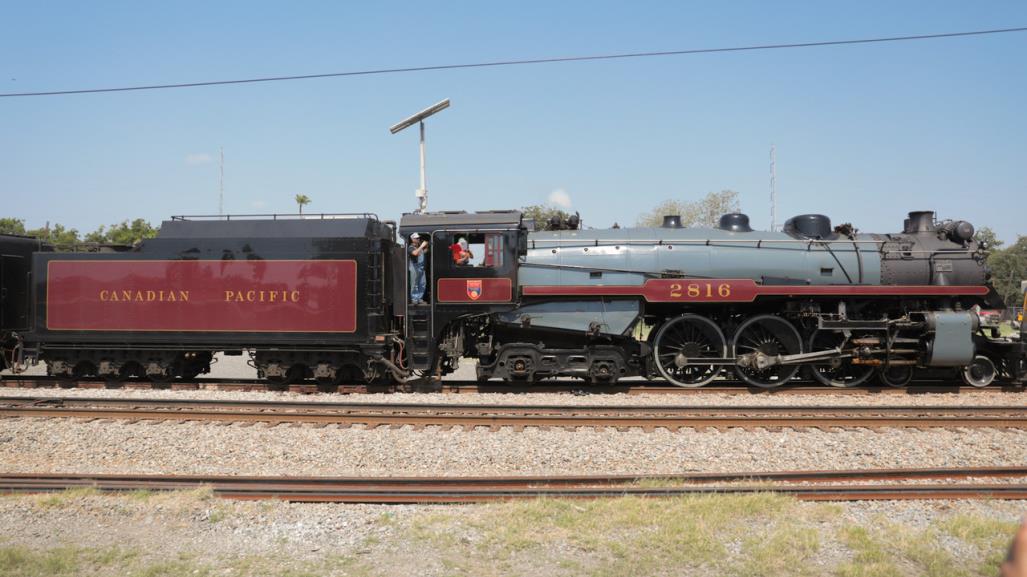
[{"x": 422, "y": 192}]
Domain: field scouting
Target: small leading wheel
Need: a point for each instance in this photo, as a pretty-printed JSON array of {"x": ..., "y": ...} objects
[
  {"x": 897, "y": 376},
  {"x": 766, "y": 336},
  {"x": 835, "y": 372},
  {"x": 980, "y": 372},
  {"x": 680, "y": 346}
]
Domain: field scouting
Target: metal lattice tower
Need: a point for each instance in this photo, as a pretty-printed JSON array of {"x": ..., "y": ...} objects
[
  {"x": 221, "y": 183},
  {"x": 773, "y": 188}
]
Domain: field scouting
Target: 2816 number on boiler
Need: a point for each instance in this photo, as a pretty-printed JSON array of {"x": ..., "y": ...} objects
[{"x": 701, "y": 291}]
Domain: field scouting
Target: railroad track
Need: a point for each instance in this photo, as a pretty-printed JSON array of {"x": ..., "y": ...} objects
[
  {"x": 935, "y": 386},
  {"x": 518, "y": 417},
  {"x": 805, "y": 485}
]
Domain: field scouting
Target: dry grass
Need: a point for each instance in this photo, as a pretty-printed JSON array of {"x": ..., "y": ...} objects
[
  {"x": 64, "y": 498},
  {"x": 748, "y": 535},
  {"x": 890, "y": 549},
  {"x": 76, "y": 561},
  {"x": 731, "y": 535},
  {"x": 23, "y": 562},
  {"x": 625, "y": 536}
]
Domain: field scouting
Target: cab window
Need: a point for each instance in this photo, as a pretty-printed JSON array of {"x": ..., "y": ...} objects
[{"x": 476, "y": 250}]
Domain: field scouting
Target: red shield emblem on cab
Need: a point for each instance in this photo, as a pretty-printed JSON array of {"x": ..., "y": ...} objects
[{"x": 474, "y": 289}]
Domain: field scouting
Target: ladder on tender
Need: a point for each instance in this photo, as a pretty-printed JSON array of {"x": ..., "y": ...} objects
[
  {"x": 373, "y": 289},
  {"x": 419, "y": 336}
]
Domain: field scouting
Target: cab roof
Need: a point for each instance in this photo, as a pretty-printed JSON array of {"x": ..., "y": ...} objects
[{"x": 485, "y": 220}]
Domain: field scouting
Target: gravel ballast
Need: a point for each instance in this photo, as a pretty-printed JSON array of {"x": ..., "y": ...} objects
[
  {"x": 62, "y": 445},
  {"x": 195, "y": 534}
]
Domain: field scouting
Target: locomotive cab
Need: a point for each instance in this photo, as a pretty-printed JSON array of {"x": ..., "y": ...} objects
[{"x": 460, "y": 292}]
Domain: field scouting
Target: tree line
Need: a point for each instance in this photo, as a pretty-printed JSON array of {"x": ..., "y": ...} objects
[
  {"x": 124, "y": 232},
  {"x": 703, "y": 212},
  {"x": 1008, "y": 265}
]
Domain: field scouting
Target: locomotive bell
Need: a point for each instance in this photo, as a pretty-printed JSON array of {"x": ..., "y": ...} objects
[
  {"x": 959, "y": 231},
  {"x": 672, "y": 221}
]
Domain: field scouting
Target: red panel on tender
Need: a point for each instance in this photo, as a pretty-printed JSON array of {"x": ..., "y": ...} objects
[
  {"x": 741, "y": 290},
  {"x": 202, "y": 295},
  {"x": 475, "y": 290}
]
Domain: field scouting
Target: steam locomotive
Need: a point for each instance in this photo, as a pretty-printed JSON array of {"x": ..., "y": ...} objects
[{"x": 326, "y": 298}]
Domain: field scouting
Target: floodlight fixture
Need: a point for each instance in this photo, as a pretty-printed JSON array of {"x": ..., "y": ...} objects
[
  {"x": 421, "y": 193},
  {"x": 420, "y": 116}
]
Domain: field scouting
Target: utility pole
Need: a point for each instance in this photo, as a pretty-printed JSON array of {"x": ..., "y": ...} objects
[
  {"x": 773, "y": 188},
  {"x": 221, "y": 184}
]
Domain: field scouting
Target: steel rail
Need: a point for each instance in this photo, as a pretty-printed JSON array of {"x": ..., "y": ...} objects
[
  {"x": 640, "y": 387},
  {"x": 494, "y": 417},
  {"x": 478, "y": 489},
  {"x": 402, "y": 407},
  {"x": 786, "y": 476}
]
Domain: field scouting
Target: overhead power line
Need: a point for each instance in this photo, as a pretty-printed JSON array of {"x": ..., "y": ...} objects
[{"x": 522, "y": 62}]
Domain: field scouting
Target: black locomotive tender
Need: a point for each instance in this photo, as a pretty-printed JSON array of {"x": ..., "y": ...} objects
[{"x": 327, "y": 299}]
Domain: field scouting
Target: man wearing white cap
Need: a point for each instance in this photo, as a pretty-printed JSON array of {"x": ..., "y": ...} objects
[{"x": 417, "y": 250}]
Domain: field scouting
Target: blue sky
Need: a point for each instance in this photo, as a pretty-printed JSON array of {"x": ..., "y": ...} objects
[{"x": 863, "y": 133}]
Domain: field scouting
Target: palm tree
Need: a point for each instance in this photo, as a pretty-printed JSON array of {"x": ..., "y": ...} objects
[{"x": 301, "y": 200}]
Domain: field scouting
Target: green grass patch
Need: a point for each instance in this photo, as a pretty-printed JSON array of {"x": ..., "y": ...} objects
[
  {"x": 76, "y": 561},
  {"x": 217, "y": 515},
  {"x": 140, "y": 495},
  {"x": 173, "y": 568},
  {"x": 19, "y": 561},
  {"x": 788, "y": 550},
  {"x": 891, "y": 549},
  {"x": 623, "y": 536},
  {"x": 761, "y": 534},
  {"x": 64, "y": 498},
  {"x": 733, "y": 535}
]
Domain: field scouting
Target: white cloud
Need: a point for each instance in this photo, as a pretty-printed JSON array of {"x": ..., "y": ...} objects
[
  {"x": 560, "y": 198},
  {"x": 258, "y": 204},
  {"x": 194, "y": 158}
]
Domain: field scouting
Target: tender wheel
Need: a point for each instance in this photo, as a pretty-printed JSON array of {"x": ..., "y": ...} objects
[
  {"x": 835, "y": 372},
  {"x": 980, "y": 372},
  {"x": 159, "y": 380},
  {"x": 82, "y": 370},
  {"x": 328, "y": 381},
  {"x": 116, "y": 380},
  {"x": 767, "y": 335},
  {"x": 897, "y": 376},
  {"x": 55, "y": 368},
  {"x": 682, "y": 343},
  {"x": 294, "y": 374},
  {"x": 329, "y": 377}
]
